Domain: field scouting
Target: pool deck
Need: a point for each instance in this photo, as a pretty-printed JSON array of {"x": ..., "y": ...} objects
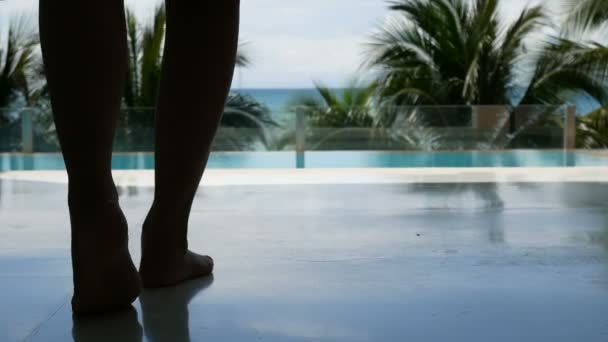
[
  {"x": 224, "y": 177},
  {"x": 336, "y": 255}
]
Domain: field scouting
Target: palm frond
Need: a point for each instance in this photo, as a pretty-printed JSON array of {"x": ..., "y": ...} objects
[
  {"x": 151, "y": 57},
  {"x": 252, "y": 119},
  {"x": 19, "y": 59},
  {"x": 350, "y": 107},
  {"x": 132, "y": 89},
  {"x": 586, "y": 14},
  {"x": 565, "y": 69},
  {"x": 243, "y": 60},
  {"x": 592, "y": 129}
]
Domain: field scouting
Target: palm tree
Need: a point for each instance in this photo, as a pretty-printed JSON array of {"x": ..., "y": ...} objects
[
  {"x": 145, "y": 42},
  {"x": 449, "y": 52},
  {"x": 351, "y": 107},
  {"x": 18, "y": 65},
  {"x": 352, "y": 118},
  {"x": 336, "y": 119},
  {"x": 586, "y": 15},
  {"x": 455, "y": 52},
  {"x": 145, "y": 55}
]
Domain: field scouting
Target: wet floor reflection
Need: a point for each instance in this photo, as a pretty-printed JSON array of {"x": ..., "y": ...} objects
[
  {"x": 128, "y": 191},
  {"x": 458, "y": 194},
  {"x": 472, "y": 196},
  {"x": 165, "y": 311},
  {"x": 120, "y": 327},
  {"x": 165, "y": 318},
  {"x": 1, "y": 192},
  {"x": 599, "y": 237}
]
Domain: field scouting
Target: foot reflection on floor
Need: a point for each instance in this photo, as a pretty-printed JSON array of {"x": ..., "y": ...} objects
[
  {"x": 117, "y": 327},
  {"x": 165, "y": 311},
  {"x": 165, "y": 317}
]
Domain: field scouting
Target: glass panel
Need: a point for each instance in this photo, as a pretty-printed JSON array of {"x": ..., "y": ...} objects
[
  {"x": 241, "y": 130},
  {"x": 44, "y": 132},
  {"x": 10, "y": 130},
  {"x": 256, "y": 129},
  {"x": 436, "y": 128},
  {"x": 135, "y": 130}
]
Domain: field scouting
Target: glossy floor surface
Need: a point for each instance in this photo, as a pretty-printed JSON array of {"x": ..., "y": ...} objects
[{"x": 359, "y": 262}]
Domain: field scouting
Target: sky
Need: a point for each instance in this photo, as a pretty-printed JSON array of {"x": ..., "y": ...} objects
[{"x": 293, "y": 43}]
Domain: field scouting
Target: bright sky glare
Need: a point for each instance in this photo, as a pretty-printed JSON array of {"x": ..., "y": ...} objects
[{"x": 295, "y": 42}]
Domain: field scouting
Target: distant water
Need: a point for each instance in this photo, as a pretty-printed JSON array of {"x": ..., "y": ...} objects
[{"x": 279, "y": 100}]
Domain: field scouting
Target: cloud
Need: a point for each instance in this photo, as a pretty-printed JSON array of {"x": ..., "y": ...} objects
[
  {"x": 295, "y": 42},
  {"x": 282, "y": 62}
]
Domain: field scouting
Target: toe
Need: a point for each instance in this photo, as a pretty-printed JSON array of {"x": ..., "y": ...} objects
[{"x": 202, "y": 265}]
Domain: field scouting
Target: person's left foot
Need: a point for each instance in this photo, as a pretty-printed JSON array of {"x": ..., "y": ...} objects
[{"x": 105, "y": 278}]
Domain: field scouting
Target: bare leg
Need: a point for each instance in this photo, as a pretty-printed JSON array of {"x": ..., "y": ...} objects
[
  {"x": 84, "y": 50},
  {"x": 199, "y": 58}
]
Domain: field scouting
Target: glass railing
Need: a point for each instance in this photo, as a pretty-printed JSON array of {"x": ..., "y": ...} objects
[
  {"x": 239, "y": 132},
  {"x": 432, "y": 128},
  {"x": 441, "y": 129},
  {"x": 311, "y": 137}
]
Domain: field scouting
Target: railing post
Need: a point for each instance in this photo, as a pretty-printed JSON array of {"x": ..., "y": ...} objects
[
  {"x": 300, "y": 137},
  {"x": 27, "y": 131},
  {"x": 570, "y": 128}
]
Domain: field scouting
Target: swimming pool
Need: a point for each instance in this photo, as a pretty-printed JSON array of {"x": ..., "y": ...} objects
[{"x": 334, "y": 159}]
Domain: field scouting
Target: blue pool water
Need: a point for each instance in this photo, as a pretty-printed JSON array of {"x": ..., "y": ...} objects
[{"x": 334, "y": 159}]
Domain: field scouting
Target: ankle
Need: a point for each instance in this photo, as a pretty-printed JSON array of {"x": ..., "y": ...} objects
[
  {"x": 164, "y": 236},
  {"x": 92, "y": 197},
  {"x": 98, "y": 227},
  {"x": 84, "y": 191},
  {"x": 169, "y": 208}
]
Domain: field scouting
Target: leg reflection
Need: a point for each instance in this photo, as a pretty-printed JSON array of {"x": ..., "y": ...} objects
[
  {"x": 119, "y": 327},
  {"x": 165, "y": 311}
]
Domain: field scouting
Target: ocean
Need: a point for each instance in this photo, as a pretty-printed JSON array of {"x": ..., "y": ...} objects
[{"x": 279, "y": 100}]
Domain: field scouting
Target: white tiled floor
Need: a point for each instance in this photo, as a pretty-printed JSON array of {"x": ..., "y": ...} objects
[{"x": 318, "y": 260}]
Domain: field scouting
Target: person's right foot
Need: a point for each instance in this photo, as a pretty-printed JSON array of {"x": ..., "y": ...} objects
[
  {"x": 165, "y": 271},
  {"x": 166, "y": 261},
  {"x": 105, "y": 278}
]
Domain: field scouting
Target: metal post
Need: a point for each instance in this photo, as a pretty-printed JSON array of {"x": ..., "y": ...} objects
[
  {"x": 300, "y": 137},
  {"x": 570, "y": 128},
  {"x": 27, "y": 131}
]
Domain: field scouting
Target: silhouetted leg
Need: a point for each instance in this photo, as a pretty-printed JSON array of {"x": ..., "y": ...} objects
[
  {"x": 199, "y": 58},
  {"x": 84, "y": 50}
]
